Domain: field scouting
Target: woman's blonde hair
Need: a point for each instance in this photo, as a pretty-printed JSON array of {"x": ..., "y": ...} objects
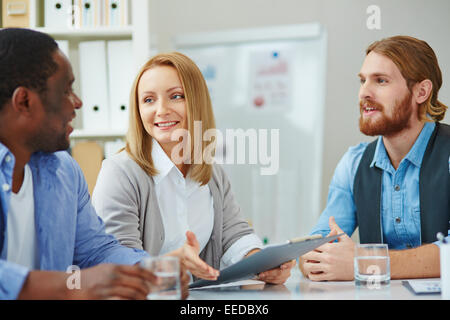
[
  {"x": 198, "y": 108},
  {"x": 416, "y": 61}
]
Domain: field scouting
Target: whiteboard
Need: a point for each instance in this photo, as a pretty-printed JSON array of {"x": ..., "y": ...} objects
[{"x": 262, "y": 80}]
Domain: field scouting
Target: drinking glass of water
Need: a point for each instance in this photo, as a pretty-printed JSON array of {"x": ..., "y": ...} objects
[
  {"x": 372, "y": 266},
  {"x": 168, "y": 270}
]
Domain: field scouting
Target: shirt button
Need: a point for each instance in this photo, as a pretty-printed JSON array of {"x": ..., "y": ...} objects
[
  {"x": 6, "y": 187},
  {"x": 398, "y": 220},
  {"x": 8, "y": 158},
  {"x": 397, "y": 187}
]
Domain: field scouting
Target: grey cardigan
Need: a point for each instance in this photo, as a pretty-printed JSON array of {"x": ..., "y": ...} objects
[{"x": 124, "y": 197}]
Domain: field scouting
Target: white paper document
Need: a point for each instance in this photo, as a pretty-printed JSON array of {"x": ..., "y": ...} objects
[{"x": 423, "y": 286}]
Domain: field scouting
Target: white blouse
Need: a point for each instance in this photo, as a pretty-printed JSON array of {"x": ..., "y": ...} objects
[{"x": 185, "y": 205}]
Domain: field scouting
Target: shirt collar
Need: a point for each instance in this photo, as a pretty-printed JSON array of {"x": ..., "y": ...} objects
[
  {"x": 4, "y": 151},
  {"x": 161, "y": 162},
  {"x": 48, "y": 161},
  {"x": 166, "y": 168},
  {"x": 415, "y": 155},
  {"x": 7, "y": 159},
  {"x": 380, "y": 156}
]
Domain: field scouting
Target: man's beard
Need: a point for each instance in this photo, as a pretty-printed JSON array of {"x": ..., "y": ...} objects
[
  {"x": 47, "y": 143},
  {"x": 384, "y": 125},
  {"x": 48, "y": 139}
]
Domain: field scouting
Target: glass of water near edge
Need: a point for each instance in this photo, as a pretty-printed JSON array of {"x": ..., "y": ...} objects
[
  {"x": 168, "y": 270},
  {"x": 372, "y": 266}
]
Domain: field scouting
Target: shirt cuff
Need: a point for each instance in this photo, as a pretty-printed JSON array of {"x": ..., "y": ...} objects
[
  {"x": 239, "y": 249},
  {"x": 12, "y": 279}
]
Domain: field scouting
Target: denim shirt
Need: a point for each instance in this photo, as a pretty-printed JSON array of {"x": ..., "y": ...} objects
[
  {"x": 400, "y": 202},
  {"x": 69, "y": 232}
]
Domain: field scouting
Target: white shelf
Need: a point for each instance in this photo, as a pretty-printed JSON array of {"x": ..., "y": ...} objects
[
  {"x": 97, "y": 32},
  {"x": 138, "y": 31},
  {"x": 86, "y": 134}
]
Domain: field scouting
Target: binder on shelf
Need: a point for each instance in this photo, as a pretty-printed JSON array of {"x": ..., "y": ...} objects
[
  {"x": 117, "y": 13},
  {"x": 19, "y": 13},
  {"x": 87, "y": 13},
  {"x": 93, "y": 84},
  {"x": 90, "y": 11},
  {"x": 124, "y": 14},
  {"x": 120, "y": 79},
  {"x": 58, "y": 14}
]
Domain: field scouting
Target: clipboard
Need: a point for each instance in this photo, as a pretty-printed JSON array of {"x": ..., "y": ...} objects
[{"x": 266, "y": 259}]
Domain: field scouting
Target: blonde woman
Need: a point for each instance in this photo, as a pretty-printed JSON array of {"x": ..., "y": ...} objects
[{"x": 154, "y": 196}]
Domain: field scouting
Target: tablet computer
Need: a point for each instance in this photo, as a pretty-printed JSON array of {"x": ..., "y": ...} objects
[{"x": 268, "y": 258}]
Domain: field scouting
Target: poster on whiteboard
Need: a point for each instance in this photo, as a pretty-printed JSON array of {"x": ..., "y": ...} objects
[{"x": 271, "y": 79}]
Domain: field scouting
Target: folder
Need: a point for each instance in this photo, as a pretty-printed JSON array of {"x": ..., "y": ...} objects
[
  {"x": 19, "y": 13},
  {"x": 124, "y": 13},
  {"x": 117, "y": 13},
  {"x": 89, "y": 155},
  {"x": 120, "y": 79},
  {"x": 268, "y": 258},
  {"x": 87, "y": 13},
  {"x": 90, "y": 11},
  {"x": 102, "y": 10},
  {"x": 93, "y": 85},
  {"x": 58, "y": 14}
]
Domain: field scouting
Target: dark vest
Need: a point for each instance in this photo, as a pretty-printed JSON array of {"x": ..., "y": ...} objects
[{"x": 434, "y": 190}]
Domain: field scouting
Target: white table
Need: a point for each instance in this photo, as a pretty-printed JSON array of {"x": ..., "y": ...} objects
[{"x": 299, "y": 288}]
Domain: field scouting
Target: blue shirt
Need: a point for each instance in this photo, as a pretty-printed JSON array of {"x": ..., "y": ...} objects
[
  {"x": 69, "y": 232},
  {"x": 400, "y": 203}
]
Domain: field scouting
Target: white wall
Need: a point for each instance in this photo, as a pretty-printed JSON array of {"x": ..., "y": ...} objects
[{"x": 348, "y": 37}]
